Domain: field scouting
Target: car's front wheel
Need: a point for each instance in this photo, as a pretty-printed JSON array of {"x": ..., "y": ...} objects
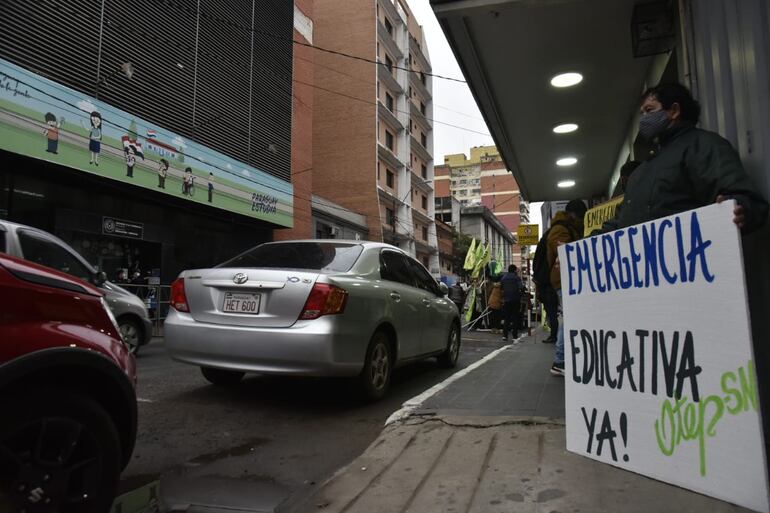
[
  {"x": 378, "y": 367},
  {"x": 222, "y": 376},
  {"x": 131, "y": 333},
  {"x": 59, "y": 451},
  {"x": 450, "y": 356}
]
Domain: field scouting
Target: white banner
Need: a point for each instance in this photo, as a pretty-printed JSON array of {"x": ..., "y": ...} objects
[{"x": 659, "y": 366}]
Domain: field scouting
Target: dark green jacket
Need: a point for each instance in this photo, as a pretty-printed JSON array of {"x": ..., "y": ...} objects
[{"x": 689, "y": 170}]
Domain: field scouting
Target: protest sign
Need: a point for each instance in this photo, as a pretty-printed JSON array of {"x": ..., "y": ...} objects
[
  {"x": 659, "y": 366},
  {"x": 598, "y": 215}
]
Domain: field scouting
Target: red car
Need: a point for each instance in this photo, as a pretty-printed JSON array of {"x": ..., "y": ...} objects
[{"x": 67, "y": 397}]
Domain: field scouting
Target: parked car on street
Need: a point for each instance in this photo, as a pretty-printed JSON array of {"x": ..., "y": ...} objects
[
  {"x": 312, "y": 308},
  {"x": 67, "y": 399},
  {"x": 43, "y": 248}
]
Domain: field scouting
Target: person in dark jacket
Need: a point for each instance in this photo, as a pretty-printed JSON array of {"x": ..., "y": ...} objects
[
  {"x": 691, "y": 168},
  {"x": 511, "y": 285},
  {"x": 457, "y": 296}
]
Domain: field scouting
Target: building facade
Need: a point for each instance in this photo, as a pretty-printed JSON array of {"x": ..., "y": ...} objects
[
  {"x": 376, "y": 157},
  {"x": 479, "y": 222},
  {"x": 118, "y": 124},
  {"x": 481, "y": 180}
]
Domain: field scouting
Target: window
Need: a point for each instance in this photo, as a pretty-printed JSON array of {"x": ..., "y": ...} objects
[
  {"x": 424, "y": 233},
  {"x": 424, "y": 140},
  {"x": 388, "y": 26},
  {"x": 422, "y": 277},
  {"x": 389, "y": 140},
  {"x": 378, "y": 171},
  {"x": 322, "y": 256},
  {"x": 422, "y": 108},
  {"x": 389, "y": 178},
  {"x": 390, "y": 217},
  {"x": 43, "y": 251},
  {"x": 422, "y": 78},
  {"x": 424, "y": 202},
  {"x": 389, "y": 63},
  {"x": 389, "y": 102},
  {"x": 424, "y": 170},
  {"x": 394, "y": 267},
  {"x": 463, "y": 182}
]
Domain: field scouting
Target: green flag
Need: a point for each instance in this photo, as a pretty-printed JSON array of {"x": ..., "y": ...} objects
[
  {"x": 482, "y": 258},
  {"x": 471, "y": 305},
  {"x": 499, "y": 262},
  {"x": 470, "y": 258}
]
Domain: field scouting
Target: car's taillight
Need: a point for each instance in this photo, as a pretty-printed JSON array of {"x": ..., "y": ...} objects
[
  {"x": 324, "y": 299},
  {"x": 178, "y": 296}
]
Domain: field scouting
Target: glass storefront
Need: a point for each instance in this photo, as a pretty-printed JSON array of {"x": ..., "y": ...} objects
[{"x": 117, "y": 226}]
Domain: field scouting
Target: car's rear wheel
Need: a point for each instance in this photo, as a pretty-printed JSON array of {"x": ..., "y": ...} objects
[
  {"x": 378, "y": 367},
  {"x": 131, "y": 333},
  {"x": 450, "y": 356},
  {"x": 59, "y": 452},
  {"x": 222, "y": 376}
]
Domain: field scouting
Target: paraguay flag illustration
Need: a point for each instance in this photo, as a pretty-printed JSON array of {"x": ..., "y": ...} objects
[{"x": 127, "y": 141}]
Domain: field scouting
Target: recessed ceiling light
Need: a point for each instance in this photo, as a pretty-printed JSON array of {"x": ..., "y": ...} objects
[
  {"x": 566, "y": 79},
  {"x": 565, "y": 183},
  {"x": 566, "y": 161},
  {"x": 565, "y": 128}
]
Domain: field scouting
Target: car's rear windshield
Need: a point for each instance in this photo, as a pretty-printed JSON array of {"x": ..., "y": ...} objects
[{"x": 319, "y": 256}]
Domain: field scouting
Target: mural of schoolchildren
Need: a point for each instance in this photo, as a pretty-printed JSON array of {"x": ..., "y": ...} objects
[
  {"x": 211, "y": 187},
  {"x": 162, "y": 172},
  {"x": 95, "y": 137},
  {"x": 130, "y": 151},
  {"x": 187, "y": 181},
  {"x": 52, "y": 133}
]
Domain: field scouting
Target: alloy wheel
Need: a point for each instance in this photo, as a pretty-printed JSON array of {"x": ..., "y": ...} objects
[
  {"x": 130, "y": 334},
  {"x": 380, "y": 367}
]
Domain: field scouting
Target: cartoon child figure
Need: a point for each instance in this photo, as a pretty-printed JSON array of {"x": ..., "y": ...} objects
[
  {"x": 130, "y": 160},
  {"x": 162, "y": 172},
  {"x": 95, "y": 137},
  {"x": 187, "y": 181},
  {"x": 52, "y": 132},
  {"x": 211, "y": 187}
]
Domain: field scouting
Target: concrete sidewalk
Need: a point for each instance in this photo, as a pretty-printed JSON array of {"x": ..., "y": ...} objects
[{"x": 493, "y": 440}]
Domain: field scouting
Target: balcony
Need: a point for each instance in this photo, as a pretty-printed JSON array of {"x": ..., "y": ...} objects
[
  {"x": 421, "y": 150},
  {"x": 387, "y": 39},
  {"x": 416, "y": 83},
  {"x": 387, "y": 78},
  {"x": 389, "y": 117},
  {"x": 418, "y": 116},
  {"x": 420, "y": 182},
  {"x": 416, "y": 50},
  {"x": 393, "y": 11},
  {"x": 388, "y": 156},
  {"x": 421, "y": 216}
]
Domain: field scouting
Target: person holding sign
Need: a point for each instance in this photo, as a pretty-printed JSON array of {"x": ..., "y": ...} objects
[
  {"x": 566, "y": 227},
  {"x": 691, "y": 167}
]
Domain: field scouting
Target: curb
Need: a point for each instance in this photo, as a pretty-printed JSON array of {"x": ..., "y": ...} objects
[{"x": 415, "y": 402}]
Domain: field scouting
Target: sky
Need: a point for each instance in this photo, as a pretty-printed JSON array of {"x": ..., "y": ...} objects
[{"x": 453, "y": 103}]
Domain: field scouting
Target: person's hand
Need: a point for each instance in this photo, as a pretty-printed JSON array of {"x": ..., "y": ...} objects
[{"x": 739, "y": 218}]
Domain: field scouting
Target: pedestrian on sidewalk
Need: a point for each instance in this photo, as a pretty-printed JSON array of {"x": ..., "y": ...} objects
[
  {"x": 457, "y": 296},
  {"x": 495, "y": 304},
  {"x": 690, "y": 167},
  {"x": 511, "y": 285},
  {"x": 566, "y": 227}
]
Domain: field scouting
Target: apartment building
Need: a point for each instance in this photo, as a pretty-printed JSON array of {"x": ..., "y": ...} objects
[
  {"x": 480, "y": 180},
  {"x": 376, "y": 157}
]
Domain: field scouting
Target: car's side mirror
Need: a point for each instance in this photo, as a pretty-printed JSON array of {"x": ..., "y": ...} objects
[
  {"x": 443, "y": 288},
  {"x": 99, "y": 278}
]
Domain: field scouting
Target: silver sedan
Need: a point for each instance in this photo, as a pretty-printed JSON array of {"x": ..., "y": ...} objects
[{"x": 312, "y": 308}]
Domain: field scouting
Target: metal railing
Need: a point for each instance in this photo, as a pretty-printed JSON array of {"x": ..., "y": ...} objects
[{"x": 157, "y": 299}]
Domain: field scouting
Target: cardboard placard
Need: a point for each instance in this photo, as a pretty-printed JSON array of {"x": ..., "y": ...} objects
[{"x": 659, "y": 365}]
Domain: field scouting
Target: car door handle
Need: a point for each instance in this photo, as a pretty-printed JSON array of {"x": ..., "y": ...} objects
[
  {"x": 395, "y": 296},
  {"x": 426, "y": 302}
]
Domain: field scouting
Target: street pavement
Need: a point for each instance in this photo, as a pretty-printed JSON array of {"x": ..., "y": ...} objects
[
  {"x": 265, "y": 442},
  {"x": 492, "y": 441}
]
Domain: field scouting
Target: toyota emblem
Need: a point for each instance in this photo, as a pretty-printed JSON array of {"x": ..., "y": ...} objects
[{"x": 240, "y": 278}]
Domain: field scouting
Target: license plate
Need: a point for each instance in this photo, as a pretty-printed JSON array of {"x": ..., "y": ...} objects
[{"x": 237, "y": 302}]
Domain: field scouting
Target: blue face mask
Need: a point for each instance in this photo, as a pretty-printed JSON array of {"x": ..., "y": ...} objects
[{"x": 652, "y": 124}]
